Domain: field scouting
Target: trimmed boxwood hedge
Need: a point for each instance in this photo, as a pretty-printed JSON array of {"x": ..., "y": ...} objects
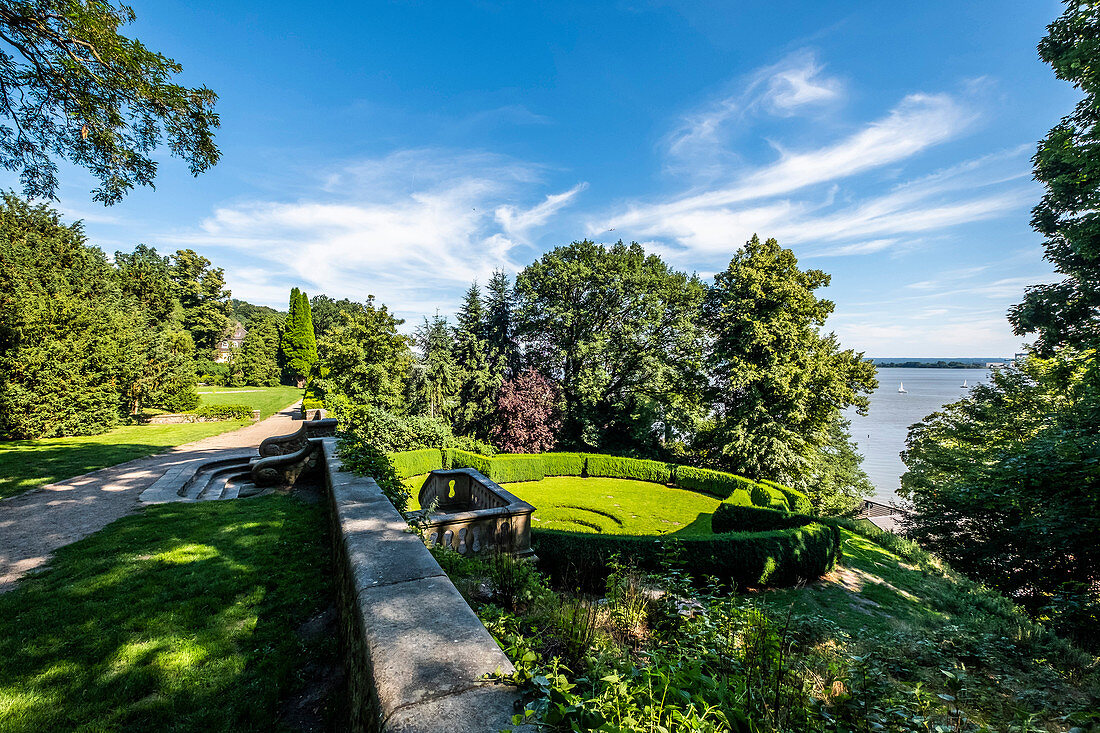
[
  {"x": 633, "y": 468},
  {"x": 798, "y": 502},
  {"x": 563, "y": 464},
  {"x": 415, "y": 462},
  {"x": 738, "y": 518},
  {"x": 716, "y": 483},
  {"x": 508, "y": 467},
  {"x": 746, "y": 559},
  {"x": 455, "y": 458},
  {"x": 769, "y": 498}
]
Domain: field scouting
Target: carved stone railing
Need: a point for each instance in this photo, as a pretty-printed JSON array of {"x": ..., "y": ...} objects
[
  {"x": 282, "y": 445},
  {"x": 471, "y": 514},
  {"x": 285, "y": 470}
]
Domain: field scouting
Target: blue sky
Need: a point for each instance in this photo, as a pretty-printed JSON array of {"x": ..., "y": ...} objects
[{"x": 404, "y": 149}]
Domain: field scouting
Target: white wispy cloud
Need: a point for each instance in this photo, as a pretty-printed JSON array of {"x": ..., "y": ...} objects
[{"x": 518, "y": 222}]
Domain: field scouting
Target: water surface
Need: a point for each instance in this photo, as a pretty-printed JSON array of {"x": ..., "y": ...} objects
[{"x": 881, "y": 434}]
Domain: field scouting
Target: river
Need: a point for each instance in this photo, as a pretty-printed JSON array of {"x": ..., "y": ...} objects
[{"x": 881, "y": 434}]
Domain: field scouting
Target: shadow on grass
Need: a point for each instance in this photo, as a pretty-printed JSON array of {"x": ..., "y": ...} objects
[
  {"x": 698, "y": 527},
  {"x": 181, "y": 618},
  {"x": 27, "y": 464}
]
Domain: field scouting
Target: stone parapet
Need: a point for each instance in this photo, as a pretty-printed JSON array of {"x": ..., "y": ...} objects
[{"x": 417, "y": 656}]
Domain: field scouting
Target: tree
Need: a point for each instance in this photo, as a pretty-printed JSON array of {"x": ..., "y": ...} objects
[
  {"x": 525, "y": 416},
  {"x": 298, "y": 345},
  {"x": 500, "y": 335},
  {"x": 200, "y": 290},
  {"x": 776, "y": 384},
  {"x": 326, "y": 312},
  {"x": 434, "y": 381},
  {"x": 364, "y": 360},
  {"x": 68, "y": 346},
  {"x": 1005, "y": 487},
  {"x": 1068, "y": 216},
  {"x": 478, "y": 385},
  {"x": 616, "y": 329},
  {"x": 166, "y": 376},
  {"x": 257, "y": 362},
  {"x": 71, "y": 86},
  {"x": 145, "y": 276}
]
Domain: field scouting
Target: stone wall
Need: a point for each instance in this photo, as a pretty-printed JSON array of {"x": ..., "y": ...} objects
[
  {"x": 415, "y": 652},
  {"x": 175, "y": 418}
]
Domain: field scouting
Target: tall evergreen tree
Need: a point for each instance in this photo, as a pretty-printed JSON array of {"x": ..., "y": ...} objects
[
  {"x": 777, "y": 384},
  {"x": 200, "y": 289},
  {"x": 478, "y": 385},
  {"x": 500, "y": 336},
  {"x": 299, "y": 345},
  {"x": 434, "y": 379},
  {"x": 257, "y": 363}
]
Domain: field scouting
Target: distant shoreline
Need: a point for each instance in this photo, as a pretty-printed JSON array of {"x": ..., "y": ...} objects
[{"x": 931, "y": 365}]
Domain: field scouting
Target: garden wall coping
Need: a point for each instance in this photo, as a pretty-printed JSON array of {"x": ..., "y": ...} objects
[{"x": 417, "y": 655}]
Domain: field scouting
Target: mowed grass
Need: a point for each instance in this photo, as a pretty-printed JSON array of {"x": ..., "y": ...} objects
[
  {"x": 184, "y": 617},
  {"x": 608, "y": 505},
  {"x": 25, "y": 464}
]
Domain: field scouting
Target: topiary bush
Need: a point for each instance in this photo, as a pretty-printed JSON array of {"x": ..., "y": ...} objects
[
  {"x": 415, "y": 462},
  {"x": 716, "y": 483},
  {"x": 631, "y": 468},
  {"x": 739, "y": 518},
  {"x": 752, "y": 559},
  {"x": 564, "y": 464},
  {"x": 796, "y": 500},
  {"x": 769, "y": 498}
]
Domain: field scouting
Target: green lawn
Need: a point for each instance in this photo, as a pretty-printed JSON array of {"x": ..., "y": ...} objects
[
  {"x": 25, "y": 464},
  {"x": 184, "y": 617},
  {"x": 608, "y": 505}
]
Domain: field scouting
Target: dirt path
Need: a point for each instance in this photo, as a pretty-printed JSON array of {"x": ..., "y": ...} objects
[{"x": 35, "y": 523}]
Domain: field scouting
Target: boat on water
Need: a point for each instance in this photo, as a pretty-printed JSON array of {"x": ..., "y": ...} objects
[
  {"x": 963, "y": 385},
  {"x": 902, "y": 389}
]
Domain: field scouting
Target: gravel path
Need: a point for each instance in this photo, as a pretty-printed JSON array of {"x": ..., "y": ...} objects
[{"x": 37, "y": 522}]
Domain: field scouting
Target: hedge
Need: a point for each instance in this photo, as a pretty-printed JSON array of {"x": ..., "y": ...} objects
[
  {"x": 508, "y": 467},
  {"x": 739, "y": 518},
  {"x": 798, "y": 502},
  {"x": 717, "y": 483},
  {"x": 746, "y": 559},
  {"x": 633, "y": 468},
  {"x": 769, "y": 498},
  {"x": 455, "y": 458},
  {"x": 311, "y": 404},
  {"x": 415, "y": 462},
  {"x": 564, "y": 464},
  {"x": 224, "y": 412}
]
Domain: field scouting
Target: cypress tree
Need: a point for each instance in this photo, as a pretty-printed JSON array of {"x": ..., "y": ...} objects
[
  {"x": 477, "y": 393},
  {"x": 299, "y": 345}
]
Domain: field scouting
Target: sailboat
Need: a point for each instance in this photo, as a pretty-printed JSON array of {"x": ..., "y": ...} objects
[
  {"x": 964, "y": 384},
  {"x": 902, "y": 389}
]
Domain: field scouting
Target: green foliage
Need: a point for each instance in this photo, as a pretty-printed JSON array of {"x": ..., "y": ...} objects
[
  {"x": 1005, "y": 488},
  {"x": 392, "y": 432},
  {"x": 563, "y": 464},
  {"x": 770, "y": 498},
  {"x": 635, "y": 468},
  {"x": 738, "y": 518},
  {"x": 509, "y": 467},
  {"x": 434, "y": 380},
  {"x": 325, "y": 313},
  {"x": 836, "y": 481},
  {"x": 416, "y": 462},
  {"x": 752, "y": 559},
  {"x": 203, "y": 299},
  {"x": 364, "y": 361},
  {"x": 257, "y": 362},
  {"x": 456, "y": 458},
  {"x": 224, "y": 412},
  {"x": 298, "y": 346},
  {"x": 502, "y": 348},
  {"x": 312, "y": 404},
  {"x": 478, "y": 383},
  {"x": 617, "y": 329},
  {"x": 715, "y": 483},
  {"x": 798, "y": 502},
  {"x": 776, "y": 382},
  {"x": 360, "y": 455},
  {"x": 1067, "y": 163},
  {"x": 72, "y": 87}
]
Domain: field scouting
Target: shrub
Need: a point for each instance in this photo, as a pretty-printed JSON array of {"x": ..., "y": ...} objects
[
  {"x": 366, "y": 459},
  {"x": 311, "y": 404},
  {"x": 716, "y": 483},
  {"x": 224, "y": 412},
  {"x": 632, "y": 468},
  {"x": 508, "y": 467},
  {"x": 754, "y": 559},
  {"x": 740, "y": 497},
  {"x": 456, "y": 458},
  {"x": 415, "y": 462},
  {"x": 798, "y": 502},
  {"x": 738, "y": 518},
  {"x": 767, "y": 497},
  {"x": 564, "y": 464}
]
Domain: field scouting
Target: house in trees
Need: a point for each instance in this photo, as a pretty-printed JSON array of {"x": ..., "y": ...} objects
[{"x": 232, "y": 339}]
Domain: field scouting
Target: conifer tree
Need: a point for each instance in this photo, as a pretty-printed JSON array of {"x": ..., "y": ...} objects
[
  {"x": 503, "y": 349},
  {"x": 299, "y": 345},
  {"x": 478, "y": 385}
]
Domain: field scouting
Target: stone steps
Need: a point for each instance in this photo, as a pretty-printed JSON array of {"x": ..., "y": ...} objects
[{"x": 203, "y": 479}]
